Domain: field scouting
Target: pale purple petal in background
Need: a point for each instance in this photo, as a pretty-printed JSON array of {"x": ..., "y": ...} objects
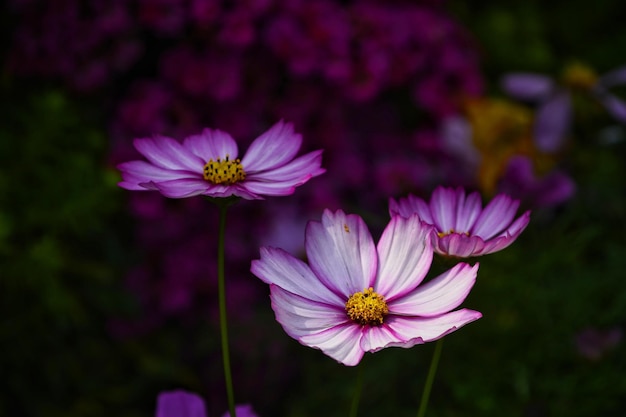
[
  {"x": 552, "y": 122},
  {"x": 527, "y": 86}
]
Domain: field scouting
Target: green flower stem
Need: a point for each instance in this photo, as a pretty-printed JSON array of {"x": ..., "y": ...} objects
[
  {"x": 354, "y": 407},
  {"x": 430, "y": 378},
  {"x": 222, "y": 305}
]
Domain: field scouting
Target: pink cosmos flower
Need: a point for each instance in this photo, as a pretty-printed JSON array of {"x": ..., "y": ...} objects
[
  {"x": 463, "y": 228},
  {"x": 208, "y": 164},
  {"x": 354, "y": 297}
]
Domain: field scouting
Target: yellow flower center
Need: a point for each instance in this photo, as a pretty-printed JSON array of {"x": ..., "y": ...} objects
[
  {"x": 579, "y": 76},
  {"x": 451, "y": 231},
  {"x": 224, "y": 171},
  {"x": 367, "y": 307}
]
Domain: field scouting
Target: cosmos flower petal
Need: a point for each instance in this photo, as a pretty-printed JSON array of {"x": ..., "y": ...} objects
[
  {"x": 552, "y": 122},
  {"x": 416, "y": 330},
  {"x": 167, "y": 153},
  {"x": 271, "y": 188},
  {"x": 180, "y": 403},
  {"x": 615, "y": 106},
  {"x": 300, "y": 316},
  {"x": 442, "y": 207},
  {"x": 509, "y": 235},
  {"x": 439, "y": 295},
  {"x": 496, "y": 216},
  {"x": 376, "y": 338},
  {"x": 527, "y": 86},
  {"x": 342, "y": 246},
  {"x": 342, "y": 343},
  {"x": 404, "y": 254},
  {"x": 459, "y": 245},
  {"x": 467, "y": 212},
  {"x": 405, "y": 207},
  {"x": 182, "y": 188},
  {"x": 212, "y": 144},
  {"x": 297, "y": 171},
  {"x": 136, "y": 172},
  {"x": 273, "y": 148},
  {"x": 291, "y": 274}
]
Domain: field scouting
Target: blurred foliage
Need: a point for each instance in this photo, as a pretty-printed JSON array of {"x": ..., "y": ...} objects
[{"x": 61, "y": 263}]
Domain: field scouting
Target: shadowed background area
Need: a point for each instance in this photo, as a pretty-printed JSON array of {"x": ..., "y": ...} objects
[{"x": 108, "y": 297}]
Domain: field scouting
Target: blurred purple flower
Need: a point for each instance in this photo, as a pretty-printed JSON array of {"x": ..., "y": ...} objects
[
  {"x": 242, "y": 411},
  {"x": 181, "y": 403},
  {"x": 554, "y": 114},
  {"x": 593, "y": 343},
  {"x": 207, "y": 164},
  {"x": 520, "y": 181},
  {"x": 463, "y": 228},
  {"x": 355, "y": 297}
]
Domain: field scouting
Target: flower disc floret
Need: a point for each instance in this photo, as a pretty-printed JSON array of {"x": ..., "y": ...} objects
[
  {"x": 367, "y": 307},
  {"x": 224, "y": 171}
]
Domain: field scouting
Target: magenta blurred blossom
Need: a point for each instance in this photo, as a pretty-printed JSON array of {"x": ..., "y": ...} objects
[
  {"x": 204, "y": 74},
  {"x": 180, "y": 403},
  {"x": 166, "y": 17},
  {"x": 462, "y": 227},
  {"x": 521, "y": 182},
  {"x": 46, "y": 44},
  {"x": 244, "y": 410},
  {"x": 207, "y": 164},
  {"x": 554, "y": 114},
  {"x": 354, "y": 297}
]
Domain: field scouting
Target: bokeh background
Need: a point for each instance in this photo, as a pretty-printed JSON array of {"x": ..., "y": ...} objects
[{"x": 108, "y": 297}]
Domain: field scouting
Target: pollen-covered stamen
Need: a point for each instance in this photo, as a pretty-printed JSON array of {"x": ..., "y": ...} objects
[
  {"x": 450, "y": 232},
  {"x": 224, "y": 171},
  {"x": 367, "y": 307},
  {"x": 579, "y": 76}
]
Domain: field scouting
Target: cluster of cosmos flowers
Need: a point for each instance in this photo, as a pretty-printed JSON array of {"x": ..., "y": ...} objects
[{"x": 353, "y": 296}]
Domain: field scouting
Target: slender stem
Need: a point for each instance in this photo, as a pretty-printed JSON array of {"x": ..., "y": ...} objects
[
  {"x": 354, "y": 407},
  {"x": 430, "y": 378},
  {"x": 222, "y": 306}
]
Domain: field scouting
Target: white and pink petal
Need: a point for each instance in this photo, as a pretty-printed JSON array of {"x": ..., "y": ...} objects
[
  {"x": 459, "y": 245},
  {"x": 439, "y": 295},
  {"x": 299, "y": 169},
  {"x": 342, "y": 343},
  {"x": 282, "y": 269},
  {"x": 341, "y": 252},
  {"x": 182, "y": 188},
  {"x": 443, "y": 208},
  {"x": 273, "y": 148},
  {"x": 301, "y": 316},
  {"x": 168, "y": 153},
  {"x": 212, "y": 144},
  {"x": 495, "y": 217},
  {"x": 404, "y": 256},
  {"x": 415, "y": 330}
]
